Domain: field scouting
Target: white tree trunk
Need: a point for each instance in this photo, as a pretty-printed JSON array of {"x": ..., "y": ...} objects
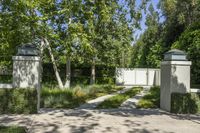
[
  {"x": 68, "y": 73},
  {"x": 60, "y": 84},
  {"x": 92, "y": 77}
]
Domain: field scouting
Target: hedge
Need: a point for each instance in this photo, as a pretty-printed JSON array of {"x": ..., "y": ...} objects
[
  {"x": 12, "y": 129},
  {"x": 18, "y": 101},
  {"x": 188, "y": 103}
]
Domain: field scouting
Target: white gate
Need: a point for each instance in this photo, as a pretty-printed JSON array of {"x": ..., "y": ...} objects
[{"x": 138, "y": 76}]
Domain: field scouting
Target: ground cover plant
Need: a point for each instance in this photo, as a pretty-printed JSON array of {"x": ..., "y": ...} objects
[
  {"x": 18, "y": 101},
  {"x": 12, "y": 129},
  {"x": 74, "y": 97},
  {"x": 151, "y": 99},
  {"x": 117, "y": 100},
  {"x": 188, "y": 103}
]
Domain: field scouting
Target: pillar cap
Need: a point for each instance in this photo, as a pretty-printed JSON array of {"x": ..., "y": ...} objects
[
  {"x": 175, "y": 55},
  {"x": 184, "y": 63}
]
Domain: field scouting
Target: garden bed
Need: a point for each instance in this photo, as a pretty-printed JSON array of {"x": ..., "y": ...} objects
[{"x": 74, "y": 97}]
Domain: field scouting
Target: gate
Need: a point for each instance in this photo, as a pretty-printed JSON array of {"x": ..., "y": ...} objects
[{"x": 138, "y": 76}]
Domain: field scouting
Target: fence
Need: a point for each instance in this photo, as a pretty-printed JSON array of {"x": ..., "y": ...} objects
[{"x": 138, "y": 76}]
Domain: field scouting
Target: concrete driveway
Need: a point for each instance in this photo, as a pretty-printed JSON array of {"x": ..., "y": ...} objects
[{"x": 105, "y": 121}]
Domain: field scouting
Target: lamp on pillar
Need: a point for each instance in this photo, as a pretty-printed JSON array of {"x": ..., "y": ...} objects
[{"x": 175, "y": 76}]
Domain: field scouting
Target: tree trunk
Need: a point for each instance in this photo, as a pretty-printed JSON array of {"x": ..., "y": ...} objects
[
  {"x": 92, "y": 77},
  {"x": 68, "y": 73},
  {"x": 60, "y": 84}
]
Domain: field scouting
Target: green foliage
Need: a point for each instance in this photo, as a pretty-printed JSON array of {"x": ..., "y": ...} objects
[
  {"x": 189, "y": 41},
  {"x": 12, "y": 129},
  {"x": 74, "y": 97},
  {"x": 5, "y": 78},
  {"x": 18, "y": 101},
  {"x": 177, "y": 16},
  {"x": 116, "y": 101},
  {"x": 185, "y": 103},
  {"x": 57, "y": 98},
  {"x": 80, "y": 74},
  {"x": 147, "y": 52},
  {"x": 151, "y": 99}
]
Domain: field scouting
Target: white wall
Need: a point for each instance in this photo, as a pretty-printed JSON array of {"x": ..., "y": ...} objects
[{"x": 138, "y": 76}]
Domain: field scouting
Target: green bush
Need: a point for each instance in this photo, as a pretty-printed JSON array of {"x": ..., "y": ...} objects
[
  {"x": 105, "y": 80},
  {"x": 151, "y": 99},
  {"x": 5, "y": 78},
  {"x": 12, "y": 129},
  {"x": 18, "y": 101},
  {"x": 57, "y": 98},
  {"x": 185, "y": 103},
  {"x": 117, "y": 100}
]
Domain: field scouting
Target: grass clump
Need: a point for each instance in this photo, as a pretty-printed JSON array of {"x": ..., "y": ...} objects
[
  {"x": 117, "y": 100},
  {"x": 12, "y": 129},
  {"x": 151, "y": 99}
]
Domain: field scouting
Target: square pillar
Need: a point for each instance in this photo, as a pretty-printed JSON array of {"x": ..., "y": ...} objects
[
  {"x": 26, "y": 73},
  {"x": 175, "y": 77}
]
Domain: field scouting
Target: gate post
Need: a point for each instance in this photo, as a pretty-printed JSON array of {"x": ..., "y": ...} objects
[
  {"x": 27, "y": 70},
  {"x": 175, "y": 76}
]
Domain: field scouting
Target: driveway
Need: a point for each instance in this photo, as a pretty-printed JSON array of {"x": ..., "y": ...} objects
[{"x": 105, "y": 121}]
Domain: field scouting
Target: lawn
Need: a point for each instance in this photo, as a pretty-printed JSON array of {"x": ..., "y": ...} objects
[
  {"x": 117, "y": 100},
  {"x": 12, "y": 129}
]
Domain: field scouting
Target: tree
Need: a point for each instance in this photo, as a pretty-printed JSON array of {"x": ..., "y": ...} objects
[{"x": 189, "y": 41}]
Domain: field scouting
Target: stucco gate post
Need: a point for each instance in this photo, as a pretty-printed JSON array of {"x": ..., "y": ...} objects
[
  {"x": 175, "y": 76},
  {"x": 27, "y": 70}
]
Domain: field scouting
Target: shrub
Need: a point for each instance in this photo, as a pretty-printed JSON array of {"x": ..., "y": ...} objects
[
  {"x": 185, "y": 103},
  {"x": 105, "y": 80},
  {"x": 18, "y": 101},
  {"x": 57, "y": 98},
  {"x": 151, "y": 99},
  {"x": 12, "y": 129}
]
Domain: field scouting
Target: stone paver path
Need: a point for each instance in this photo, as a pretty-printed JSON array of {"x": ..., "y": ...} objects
[
  {"x": 104, "y": 121},
  {"x": 92, "y": 104},
  {"x": 132, "y": 102}
]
